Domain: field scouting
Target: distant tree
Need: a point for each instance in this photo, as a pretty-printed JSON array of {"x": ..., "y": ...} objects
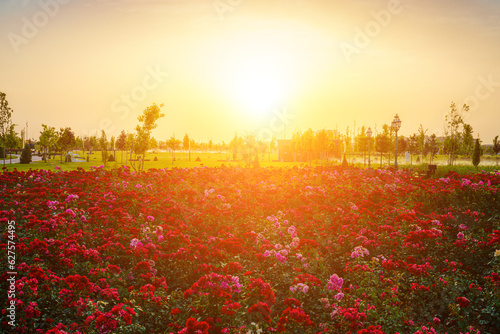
[
  {"x": 467, "y": 140},
  {"x": 453, "y": 121},
  {"x": 112, "y": 146},
  {"x": 173, "y": 144},
  {"x": 249, "y": 150},
  {"x": 5, "y": 120},
  {"x": 383, "y": 142},
  {"x": 496, "y": 148},
  {"x": 130, "y": 144},
  {"x": 421, "y": 141},
  {"x": 48, "y": 138},
  {"x": 476, "y": 154},
  {"x": 413, "y": 146},
  {"x": 431, "y": 147},
  {"x": 103, "y": 144},
  {"x": 307, "y": 140},
  {"x": 235, "y": 145},
  {"x": 11, "y": 139},
  {"x": 94, "y": 142},
  {"x": 121, "y": 143},
  {"x": 143, "y": 131},
  {"x": 185, "y": 142},
  {"x": 26, "y": 154},
  {"x": 153, "y": 143},
  {"x": 321, "y": 143},
  {"x": 66, "y": 140}
]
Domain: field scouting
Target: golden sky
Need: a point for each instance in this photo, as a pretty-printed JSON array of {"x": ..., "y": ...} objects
[{"x": 269, "y": 67}]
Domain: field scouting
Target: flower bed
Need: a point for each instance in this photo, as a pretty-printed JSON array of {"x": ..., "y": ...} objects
[{"x": 230, "y": 250}]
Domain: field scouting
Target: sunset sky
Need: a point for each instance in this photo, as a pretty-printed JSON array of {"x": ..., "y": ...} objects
[{"x": 250, "y": 65}]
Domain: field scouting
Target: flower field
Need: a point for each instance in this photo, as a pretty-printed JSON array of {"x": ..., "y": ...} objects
[{"x": 234, "y": 250}]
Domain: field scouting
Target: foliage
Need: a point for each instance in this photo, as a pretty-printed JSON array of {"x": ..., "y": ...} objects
[
  {"x": 26, "y": 154},
  {"x": 301, "y": 250},
  {"x": 476, "y": 155}
]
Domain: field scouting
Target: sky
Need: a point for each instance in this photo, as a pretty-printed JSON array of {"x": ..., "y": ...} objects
[{"x": 268, "y": 67}]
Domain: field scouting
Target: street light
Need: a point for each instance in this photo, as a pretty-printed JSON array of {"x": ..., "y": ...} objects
[
  {"x": 396, "y": 125},
  {"x": 369, "y": 134}
]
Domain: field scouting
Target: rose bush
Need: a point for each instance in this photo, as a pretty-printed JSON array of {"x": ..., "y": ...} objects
[{"x": 229, "y": 250}]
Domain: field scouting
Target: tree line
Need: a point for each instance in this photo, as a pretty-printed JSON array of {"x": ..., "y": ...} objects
[{"x": 458, "y": 140}]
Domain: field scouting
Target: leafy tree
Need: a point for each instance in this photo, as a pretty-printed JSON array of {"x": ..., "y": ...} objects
[
  {"x": 412, "y": 146},
  {"x": 26, "y": 154},
  {"x": 321, "y": 142},
  {"x": 467, "y": 140},
  {"x": 5, "y": 120},
  {"x": 383, "y": 143},
  {"x": 121, "y": 142},
  {"x": 143, "y": 131},
  {"x": 103, "y": 143},
  {"x": 112, "y": 145},
  {"x": 421, "y": 141},
  {"x": 185, "y": 142},
  {"x": 66, "y": 140},
  {"x": 431, "y": 147},
  {"x": 496, "y": 148},
  {"x": 11, "y": 139},
  {"x": 307, "y": 140},
  {"x": 48, "y": 138},
  {"x": 453, "y": 121},
  {"x": 173, "y": 144},
  {"x": 476, "y": 155},
  {"x": 235, "y": 145}
]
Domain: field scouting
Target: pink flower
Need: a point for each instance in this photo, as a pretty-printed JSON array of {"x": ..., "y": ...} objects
[
  {"x": 460, "y": 235},
  {"x": 339, "y": 296},
  {"x": 335, "y": 283}
]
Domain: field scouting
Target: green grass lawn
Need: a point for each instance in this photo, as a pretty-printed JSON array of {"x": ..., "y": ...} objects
[{"x": 182, "y": 160}]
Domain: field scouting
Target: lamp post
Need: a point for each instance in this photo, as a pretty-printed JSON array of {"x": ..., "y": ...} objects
[
  {"x": 369, "y": 134},
  {"x": 396, "y": 124}
]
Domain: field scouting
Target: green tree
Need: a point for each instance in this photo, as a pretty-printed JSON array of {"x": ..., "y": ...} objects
[
  {"x": 143, "y": 131},
  {"x": 173, "y": 144},
  {"x": 66, "y": 140},
  {"x": 235, "y": 145},
  {"x": 307, "y": 140},
  {"x": 48, "y": 138},
  {"x": 431, "y": 147},
  {"x": 121, "y": 143},
  {"x": 467, "y": 140},
  {"x": 11, "y": 139},
  {"x": 412, "y": 146},
  {"x": 453, "y": 121},
  {"x": 421, "y": 141},
  {"x": 496, "y": 148},
  {"x": 103, "y": 144},
  {"x": 26, "y": 154},
  {"x": 383, "y": 143},
  {"x": 321, "y": 143},
  {"x": 476, "y": 154},
  {"x": 5, "y": 120}
]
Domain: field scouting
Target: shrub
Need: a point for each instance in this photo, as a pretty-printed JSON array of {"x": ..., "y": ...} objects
[{"x": 26, "y": 154}]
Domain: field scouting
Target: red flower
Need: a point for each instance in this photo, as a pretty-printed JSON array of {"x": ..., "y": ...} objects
[
  {"x": 174, "y": 311},
  {"x": 463, "y": 302}
]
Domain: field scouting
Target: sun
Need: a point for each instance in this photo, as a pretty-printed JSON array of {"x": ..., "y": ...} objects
[{"x": 259, "y": 86}]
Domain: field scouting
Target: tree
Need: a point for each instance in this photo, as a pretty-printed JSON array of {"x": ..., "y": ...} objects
[
  {"x": 235, "y": 145},
  {"x": 431, "y": 147},
  {"x": 467, "y": 140},
  {"x": 321, "y": 142},
  {"x": 121, "y": 142},
  {"x": 383, "y": 142},
  {"x": 173, "y": 144},
  {"x": 5, "y": 120},
  {"x": 66, "y": 140},
  {"x": 453, "y": 121},
  {"x": 476, "y": 154},
  {"x": 307, "y": 140},
  {"x": 112, "y": 145},
  {"x": 421, "y": 141},
  {"x": 48, "y": 138},
  {"x": 26, "y": 154},
  {"x": 412, "y": 146},
  {"x": 103, "y": 143},
  {"x": 496, "y": 148},
  {"x": 143, "y": 131},
  {"x": 11, "y": 139}
]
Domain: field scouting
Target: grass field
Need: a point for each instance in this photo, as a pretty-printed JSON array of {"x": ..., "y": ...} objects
[{"x": 217, "y": 159}]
